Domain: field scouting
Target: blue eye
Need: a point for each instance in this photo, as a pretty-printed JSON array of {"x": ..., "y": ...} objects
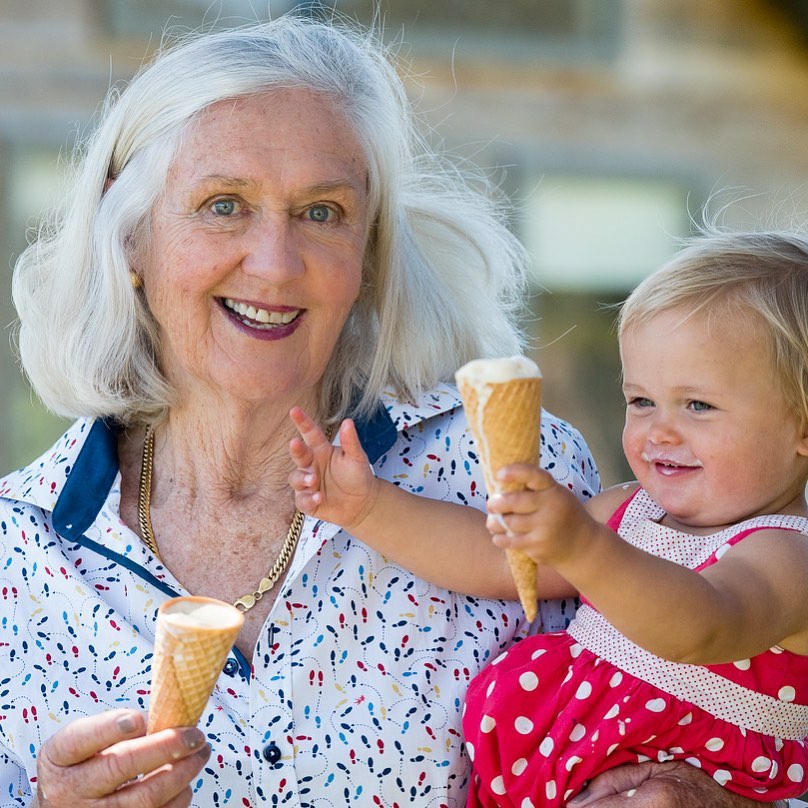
[
  {"x": 640, "y": 402},
  {"x": 224, "y": 207},
  {"x": 319, "y": 213},
  {"x": 700, "y": 406}
]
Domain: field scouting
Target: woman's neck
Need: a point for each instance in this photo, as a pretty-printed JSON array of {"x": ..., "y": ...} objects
[{"x": 229, "y": 454}]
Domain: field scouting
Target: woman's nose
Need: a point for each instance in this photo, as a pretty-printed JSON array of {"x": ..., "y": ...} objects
[{"x": 272, "y": 252}]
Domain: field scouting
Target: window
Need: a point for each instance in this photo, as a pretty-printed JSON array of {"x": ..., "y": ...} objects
[{"x": 602, "y": 233}]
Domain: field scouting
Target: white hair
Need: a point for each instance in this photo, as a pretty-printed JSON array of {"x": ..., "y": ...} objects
[{"x": 442, "y": 277}]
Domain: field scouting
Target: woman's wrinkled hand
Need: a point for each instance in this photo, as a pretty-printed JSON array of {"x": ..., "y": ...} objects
[
  {"x": 107, "y": 761},
  {"x": 659, "y": 785}
]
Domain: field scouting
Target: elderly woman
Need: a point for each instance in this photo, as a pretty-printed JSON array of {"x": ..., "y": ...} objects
[{"x": 255, "y": 225}]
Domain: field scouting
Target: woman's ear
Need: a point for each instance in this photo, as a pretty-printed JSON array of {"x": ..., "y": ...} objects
[{"x": 802, "y": 443}]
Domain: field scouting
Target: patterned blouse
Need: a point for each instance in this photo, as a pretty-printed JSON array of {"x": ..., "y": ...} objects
[{"x": 354, "y": 691}]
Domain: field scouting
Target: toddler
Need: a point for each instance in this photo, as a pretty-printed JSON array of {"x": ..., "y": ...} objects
[{"x": 691, "y": 641}]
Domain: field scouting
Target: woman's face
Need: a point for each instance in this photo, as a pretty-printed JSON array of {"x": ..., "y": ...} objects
[{"x": 256, "y": 249}]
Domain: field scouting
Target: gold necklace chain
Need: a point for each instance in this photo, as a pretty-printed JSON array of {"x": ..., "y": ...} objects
[{"x": 245, "y": 602}]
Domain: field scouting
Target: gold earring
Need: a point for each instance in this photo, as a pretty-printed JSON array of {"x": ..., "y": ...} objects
[{"x": 135, "y": 279}]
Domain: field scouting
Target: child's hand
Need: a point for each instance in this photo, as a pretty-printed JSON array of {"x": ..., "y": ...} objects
[
  {"x": 333, "y": 483},
  {"x": 543, "y": 520}
]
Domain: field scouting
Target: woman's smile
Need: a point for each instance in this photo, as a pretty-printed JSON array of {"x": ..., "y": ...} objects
[{"x": 265, "y": 323}]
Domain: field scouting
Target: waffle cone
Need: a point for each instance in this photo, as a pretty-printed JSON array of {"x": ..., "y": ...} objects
[
  {"x": 505, "y": 419},
  {"x": 188, "y": 658}
]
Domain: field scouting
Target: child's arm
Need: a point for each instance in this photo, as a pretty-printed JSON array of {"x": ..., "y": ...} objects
[
  {"x": 753, "y": 598},
  {"x": 440, "y": 542}
]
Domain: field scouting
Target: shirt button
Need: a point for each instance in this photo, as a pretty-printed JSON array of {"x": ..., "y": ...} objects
[
  {"x": 231, "y": 666},
  {"x": 271, "y": 753}
]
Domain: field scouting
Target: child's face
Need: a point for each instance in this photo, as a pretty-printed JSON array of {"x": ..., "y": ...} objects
[{"x": 708, "y": 430}]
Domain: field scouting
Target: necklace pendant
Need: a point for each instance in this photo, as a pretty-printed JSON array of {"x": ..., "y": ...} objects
[{"x": 245, "y": 603}]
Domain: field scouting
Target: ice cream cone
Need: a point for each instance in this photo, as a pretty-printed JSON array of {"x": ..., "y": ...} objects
[
  {"x": 194, "y": 637},
  {"x": 502, "y": 400}
]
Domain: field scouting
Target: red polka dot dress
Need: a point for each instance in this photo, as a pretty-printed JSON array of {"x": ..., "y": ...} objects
[{"x": 557, "y": 709}]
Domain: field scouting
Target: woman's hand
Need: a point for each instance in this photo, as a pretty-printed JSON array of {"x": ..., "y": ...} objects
[
  {"x": 107, "y": 761},
  {"x": 333, "y": 483},
  {"x": 659, "y": 785}
]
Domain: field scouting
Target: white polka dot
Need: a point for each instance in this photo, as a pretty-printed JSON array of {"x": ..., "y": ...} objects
[
  {"x": 614, "y": 712},
  {"x": 537, "y": 654},
  {"x": 498, "y": 785},
  {"x": 550, "y": 789},
  {"x": 694, "y": 762},
  {"x": 776, "y": 649},
  {"x": 573, "y": 761},
  {"x": 722, "y": 776},
  {"x": 490, "y": 689},
  {"x": 778, "y": 743},
  {"x": 714, "y": 744},
  {"x": 575, "y": 650},
  {"x": 470, "y": 750},
  {"x": 567, "y": 677},
  {"x": 786, "y": 693},
  {"x": 722, "y": 549},
  {"x": 546, "y": 746},
  {"x": 527, "y": 803},
  {"x": 655, "y": 705},
  {"x": 578, "y": 732},
  {"x": 529, "y": 681},
  {"x": 743, "y": 664},
  {"x": 775, "y": 770},
  {"x": 676, "y": 750},
  {"x": 584, "y": 691},
  {"x": 685, "y": 720},
  {"x": 663, "y": 756},
  {"x": 611, "y": 749},
  {"x": 616, "y": 679},
  {"x": 519, "y": 766},
  {"x": 487, "y": 724},
  {"x": 595, "y": 735},
  {"x": 500, "y": 658},
  {"x": 523, "y": 725},
  {"x": 795, "y": 773},
  {"x": 643, "y": 758},
  {"x": 761, "y": 764}
]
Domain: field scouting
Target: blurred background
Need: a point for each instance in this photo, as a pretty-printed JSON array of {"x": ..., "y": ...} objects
[{"x": 609, "y": 124}]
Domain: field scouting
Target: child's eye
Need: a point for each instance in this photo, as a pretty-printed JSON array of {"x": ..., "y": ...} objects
[
  {"x": 700, "y": 406},
  {"x": 640, "y": 402}
]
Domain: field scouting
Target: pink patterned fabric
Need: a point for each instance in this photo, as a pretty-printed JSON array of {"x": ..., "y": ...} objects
[{"x": 556, "y": 710}]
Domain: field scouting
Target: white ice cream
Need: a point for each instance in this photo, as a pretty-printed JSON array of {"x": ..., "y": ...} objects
[
  {"x": 480, "y": 372},
  {"x": 202, "y": 614}
]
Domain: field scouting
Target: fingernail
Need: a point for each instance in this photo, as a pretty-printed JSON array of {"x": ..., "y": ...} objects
[
  {"x": 192, "y": 737},
  {"x": 126, "y": 723}
]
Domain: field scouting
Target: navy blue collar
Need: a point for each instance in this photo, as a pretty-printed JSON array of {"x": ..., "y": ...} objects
[{"x": 96, "y": 467}]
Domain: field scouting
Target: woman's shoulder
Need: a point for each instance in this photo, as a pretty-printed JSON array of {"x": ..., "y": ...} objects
[
  {"x": 565, "y": 453},
  {"x": 39, "y": 483}
]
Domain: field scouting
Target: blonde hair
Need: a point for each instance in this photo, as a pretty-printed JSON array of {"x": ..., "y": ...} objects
[
  {"x": 443, "y": 274},
  {"x": 758, "y": 275}
]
